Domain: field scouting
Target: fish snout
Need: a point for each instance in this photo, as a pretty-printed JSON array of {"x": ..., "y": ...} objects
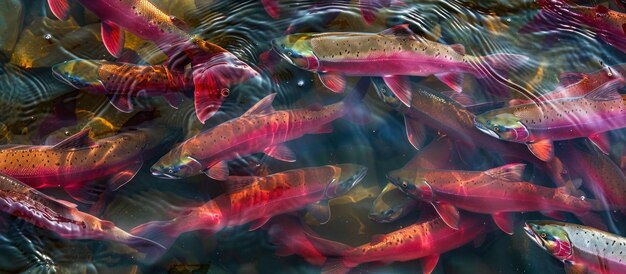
[
  {"x": 159, "y": 172},
  {"x": 350, "y": 176},
  {"x": 480, "y": 126}
]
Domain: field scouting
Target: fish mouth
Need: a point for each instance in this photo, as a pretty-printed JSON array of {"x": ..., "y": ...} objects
[
  {"x": 162, "y": 175},
  {"x": 279, "y": 49},
  {"x": 532, "y": 235},
  {"x": 485, "y": 130}
]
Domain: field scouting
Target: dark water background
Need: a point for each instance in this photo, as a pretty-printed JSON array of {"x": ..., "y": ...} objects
[{"x": 34, "y": 105}]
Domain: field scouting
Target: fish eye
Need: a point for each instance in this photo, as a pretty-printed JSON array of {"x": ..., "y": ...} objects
[
  {"x": 496, "y": 129},
  {"x": 543, "y": 235},
  {"x": 170, "y": 170},
  {"x": 405, "y": 184},
  {"x": 289, "y": 53}
]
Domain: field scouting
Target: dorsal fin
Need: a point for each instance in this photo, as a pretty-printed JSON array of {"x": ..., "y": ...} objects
[
  {"x": 570, "y": 78},
  {"x": 377, "y": 238},
  {"x": 458, "y": 48},
  {"x": 238, "y": 183},
  {"x": 510, "y": 172},
  {"x": 607, "y": 92},
  {"x": 262, "y": 107},
  {"x": 400, "y": 30},
  {"x": 80, "y": 139}
]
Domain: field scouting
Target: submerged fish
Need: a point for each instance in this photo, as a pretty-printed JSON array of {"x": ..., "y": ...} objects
[
  {"x": 62, "y": 217},
  {"x": 606, "y": 24},
  {"x": 582, "y": 249},
  {"x": 424, "y": 240},
  {"x": 260, "y": 129},
  {"x": 214, "y": 68},
  {"x": 561, "y": 119},
  {"x": 123, "y": 81},
  {"x": 392, "y": 54},
  {"x": 438, "y": 111},
  {"x": 257, "y": 199},
  {"x": 77, "y": 161},
  {"x": 499, "y": 192}
]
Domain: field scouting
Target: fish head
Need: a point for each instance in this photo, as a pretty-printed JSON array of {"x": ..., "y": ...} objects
[
  {"x": 297, "y": 50},
  {"x": 348, "y": 176},
  {"x": 80, "y": 74},
  {"x": 176, "y": 166},
  {"x": 392, "y": 204},
  {"x": 503, "y": 126},
  {"x": 551, "y": 237},
  {"x": 412, "y": 185}
]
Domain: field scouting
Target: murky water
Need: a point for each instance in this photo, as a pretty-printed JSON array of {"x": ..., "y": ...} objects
[{"x": 564, "y": 51}]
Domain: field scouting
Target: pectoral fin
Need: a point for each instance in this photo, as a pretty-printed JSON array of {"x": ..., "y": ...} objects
[
  {"x": 504, "y": 220},
  {"x": 429, "y": 263},
  {"x": 281, "y": 152},
  {"x": 415, "y": 132},
  {"x": 124, "y": 176},
  {"x": 60, "y": 8},
  {"x": 453, "y": 80},
  {"x": 401, "y": 88},
  {"x": 542, "y": 149},
  {"x": 218, "y": 172},
  {"x": 333, "y": 81},
  {"x": 320, "y": 211},
  {"x": 258, "y": 223},
  {"x": 112, "y": 37},
  {"x": 448, "y": 213}
]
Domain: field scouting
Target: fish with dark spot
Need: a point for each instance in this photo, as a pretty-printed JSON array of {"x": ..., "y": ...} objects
[
  {"x": 582, "y": 249},
  {"x": 392, "y": 54}
]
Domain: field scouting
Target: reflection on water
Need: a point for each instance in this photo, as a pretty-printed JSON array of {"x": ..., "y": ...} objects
[{"x": 410, "y": 121}]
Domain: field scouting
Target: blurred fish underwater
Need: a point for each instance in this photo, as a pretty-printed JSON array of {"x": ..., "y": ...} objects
[{"x": 284, "y": 136}]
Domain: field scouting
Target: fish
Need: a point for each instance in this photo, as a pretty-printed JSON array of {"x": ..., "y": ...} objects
[
  {"x": 582, "y": 249},
  {"x": 499, "y": 192},
  {"x": 433, "y": 109},
  {"x": 538, "y": 126},
  {"x": 62, "y": 217},
  {"x": 214, "y": 69},
  {"x": 76, "y": 162},
  {"x": 607, "y": 25},
  {"x": 290, "y": 237},
  {"x": 393, "y": 54},
  {"x": 260, "y": 129},
  {"x": 392, "y": 204},
  {"x": 123, "y": 81},
  {"x": 600, "y": 174},
  {"x": 424, "y": 240},
  {"x": 255, "y": 200}
]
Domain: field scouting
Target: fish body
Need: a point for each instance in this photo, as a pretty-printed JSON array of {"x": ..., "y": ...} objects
[
  {"x": 391, "y": 54},
  {"x": 607, "y": 25},
  {"x": 257, "y": 199},
  {"x": 260, "y": 129},
  {"x": 215, "y": 69},
  {"x": 498, "y": 192},
  {"x": 123, "y": 81},
  {"x": 61, "y": 217},
  {"x": 444, "y": 114},
  {"x": 577, "y": 84},
  {"x": 583, "y": 249},
  {"x": 77, "y": 160},
  {"x": 424, "y": 240},
  {"x": 561, "y": 119}
]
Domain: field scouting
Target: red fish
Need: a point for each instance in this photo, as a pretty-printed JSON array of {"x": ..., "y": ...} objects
[
  {"x": 62, "y": 217},
  {"x": 257, "y": 199},
  {"x": 499, "y": 191},
  {"x": 214, "y": 68},
  {"x": 424, "y": 240}
]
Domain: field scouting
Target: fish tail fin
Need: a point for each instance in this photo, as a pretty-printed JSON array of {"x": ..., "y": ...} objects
[
  {"x": 335, "y": 266},
  {"x": 356, "y": 111},
  {"x": 161, "y": 232},
  {"x": 271, "y": 7},
  {"x": 499, "y": 63}
]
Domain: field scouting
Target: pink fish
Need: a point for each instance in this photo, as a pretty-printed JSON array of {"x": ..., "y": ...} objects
[
  {"x": 77, "y": 161},
  {"x": 260, "y": 129},
  {"x": 392, "y": 54},
  {"x": 123, "y": 81},
  {"x": 257, "y": 199},
  {"x": 499, "y": 192},
  {"x": 214, "y": 68},
  {"x": 62, "y": 217},
  {"x": 608, "y": 25},
  {"x": 538, "y": 126},
  {"x": 425, "y": 240}
]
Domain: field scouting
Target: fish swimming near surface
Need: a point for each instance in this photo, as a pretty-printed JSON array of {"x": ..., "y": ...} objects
[
  {"x": 368, "y": 8},
  {"x": 499, "y": 192},
  {"x": 538, "y": 126},
  {"x": 122, "y": 82},
  {"x": 214, "y": 69},
  {"x": 607, "y": 25},
  {"x": 76, "y": 162},
  {"x": 62, "y": 217},
  {"x": 434, "y": 109},
  {"x": 260, "y": 129},
  {"x": 252, "y": 199},
  {"x": 425, "y": 240},
  {"x": 392, "y": 54},
  {"x": 582, "y": 249}
]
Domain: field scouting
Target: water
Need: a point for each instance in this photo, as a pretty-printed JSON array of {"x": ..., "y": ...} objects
[{"x": 39, "y": 109}]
